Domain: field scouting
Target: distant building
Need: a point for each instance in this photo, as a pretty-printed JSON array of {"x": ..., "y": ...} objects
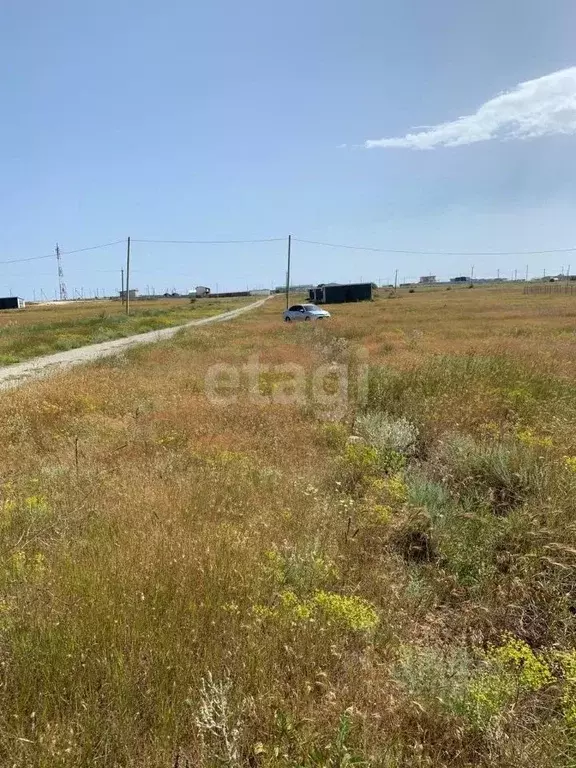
[
  {"x": 428, "y": 279},
  {"x": 293, "y": 288},
  {"x": 12, "y": 302},
  {"x": 132, "y": 294},
  {"x": 462, "y": 279},
  {"x": 337, "y": 294}
]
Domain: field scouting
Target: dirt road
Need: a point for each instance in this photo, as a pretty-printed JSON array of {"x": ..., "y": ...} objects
[{"x": 16, "y": 375}]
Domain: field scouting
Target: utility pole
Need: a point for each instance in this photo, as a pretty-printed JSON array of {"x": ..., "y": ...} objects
[
  {"x": 122, "y": 294},
  {"x": 515, "y": 275},
  {"x": 61, "y": 283},
  {"x": 472, "y": 274},
  {"x": 527, "y": 273},
  {"x": 497, "y": 274},
  {"x": 288, "y": 271},
  {"x": 128, "y": 276},
  {"x": 395, "y": 279},
  {"x": 568, "y": 273}
]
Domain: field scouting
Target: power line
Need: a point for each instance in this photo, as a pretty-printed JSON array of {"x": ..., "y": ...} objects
[
  {"x": 299, "y": 240},
  {"x": 31, "y": 258},
  {"x": 213, "y": 242},
  {"x": 62, "y": 253},
  {"x": 92, "y": 247},
  {"x": 435, "y": 253}
]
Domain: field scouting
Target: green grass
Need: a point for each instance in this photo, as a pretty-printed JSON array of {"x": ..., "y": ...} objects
[{"x": 21, "y": 340}]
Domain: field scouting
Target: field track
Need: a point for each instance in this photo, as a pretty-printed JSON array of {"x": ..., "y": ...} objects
[{"x": 16, "y": 375}]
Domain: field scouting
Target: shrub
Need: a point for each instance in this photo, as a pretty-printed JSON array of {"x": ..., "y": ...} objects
[
  {"x": 435, "y": 678},
  {"x": 362, "y": 458},
  {"x": 428, "y": 494},
  {"x": 353, "y": 613},
  {"x": 530, "y": 669},
  {"x": 219, "y": 725},
  {"x": 500, "y": 475},
  {"x": 358, "y": 462},
  {"x": 510, "y": 672},
  {"x": 567, "y": 662},
  {"x": 301, "y": 571},
  {"x": 335, "y": 435},
  {"x": 395, "y": 488},
  {"x": 481, "y": 688},
  {"x": 350, "y": 613},
  {"x": 363, "y": 465},
  {"x": 387, "y": 433}
]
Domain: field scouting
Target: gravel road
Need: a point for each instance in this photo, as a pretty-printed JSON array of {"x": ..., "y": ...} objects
[{"x": 21, "y": 373}]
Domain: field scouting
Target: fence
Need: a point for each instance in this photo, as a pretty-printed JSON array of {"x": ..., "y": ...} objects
[{"x": 551, "y": 288}]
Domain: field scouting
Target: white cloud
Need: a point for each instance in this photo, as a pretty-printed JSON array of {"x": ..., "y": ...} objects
[{"x": 541, "y": 107}]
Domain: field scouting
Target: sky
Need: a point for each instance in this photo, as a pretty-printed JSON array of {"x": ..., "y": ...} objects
[{"x": 445, "y": 128}]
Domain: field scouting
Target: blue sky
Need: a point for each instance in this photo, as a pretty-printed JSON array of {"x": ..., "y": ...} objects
[{"x": 226, "y": 120}]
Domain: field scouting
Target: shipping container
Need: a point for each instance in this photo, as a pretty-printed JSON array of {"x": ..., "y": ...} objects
[
  {"x": 12, "y": 302},
  {"x": 337, "y": 294}
]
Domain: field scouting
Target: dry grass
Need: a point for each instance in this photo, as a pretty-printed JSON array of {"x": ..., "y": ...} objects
[
  {"x": 186, "y": 583},
  {"x": 41, "y": 329}
]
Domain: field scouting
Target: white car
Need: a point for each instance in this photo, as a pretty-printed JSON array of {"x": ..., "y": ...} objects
[{"x": 304, "y": 312}]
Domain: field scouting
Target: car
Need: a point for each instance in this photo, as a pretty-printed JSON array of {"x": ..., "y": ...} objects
[{"x": 304, "y": 312}]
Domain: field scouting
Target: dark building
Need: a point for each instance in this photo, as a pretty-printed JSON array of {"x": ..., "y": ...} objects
[
  {"x": 12, "y": 302},
  {"x": 337, "y": 294}
]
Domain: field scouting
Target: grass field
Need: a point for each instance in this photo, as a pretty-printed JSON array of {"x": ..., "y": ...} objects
[
  {"x": 201, "y": 569},
  {"x": 44, "y": 328}
]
